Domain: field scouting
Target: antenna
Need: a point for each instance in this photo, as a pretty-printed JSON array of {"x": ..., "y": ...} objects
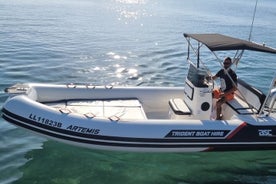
[
  {"x": 255, "y": 9},
  {"x": 236, "y": 60}
]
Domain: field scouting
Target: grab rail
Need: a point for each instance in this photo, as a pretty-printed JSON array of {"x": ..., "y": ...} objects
[{"x": 272, "y": 85}]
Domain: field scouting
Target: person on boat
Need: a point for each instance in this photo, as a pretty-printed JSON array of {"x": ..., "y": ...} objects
[{"x": 228, "y": 86}]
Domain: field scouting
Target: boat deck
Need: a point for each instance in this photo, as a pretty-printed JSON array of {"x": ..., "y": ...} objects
[
  {"x": 132, "y": 109},
  {"x": 126, "y": 109}
]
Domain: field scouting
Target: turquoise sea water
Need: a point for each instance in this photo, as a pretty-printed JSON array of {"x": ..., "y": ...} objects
[{"x": 123, "y": 42}]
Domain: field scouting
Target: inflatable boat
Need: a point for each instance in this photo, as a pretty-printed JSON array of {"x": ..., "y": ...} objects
[{"x": 152, "y": 119}]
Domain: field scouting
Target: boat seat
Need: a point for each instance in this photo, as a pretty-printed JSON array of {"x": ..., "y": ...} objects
[
  {"x": 179, "y": 107},
  {"x": 240, "y": 106}
]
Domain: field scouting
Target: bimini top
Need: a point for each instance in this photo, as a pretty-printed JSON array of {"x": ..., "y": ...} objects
[{"x": 218, "y": 42}]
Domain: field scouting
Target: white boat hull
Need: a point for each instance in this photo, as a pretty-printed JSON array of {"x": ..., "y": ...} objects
[{"x": 130, "y": 119}]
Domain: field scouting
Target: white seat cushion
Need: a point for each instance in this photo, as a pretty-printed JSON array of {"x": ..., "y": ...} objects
[{"x": 179, "y": 107}]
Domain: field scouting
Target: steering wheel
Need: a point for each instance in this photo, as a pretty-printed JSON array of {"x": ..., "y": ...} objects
[{"x": 208, "y": 80}]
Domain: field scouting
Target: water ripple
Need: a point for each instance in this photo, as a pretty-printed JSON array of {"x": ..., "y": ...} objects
[
  {"x": 14, "y": 145},
  {"x": 122, "y": 42}
]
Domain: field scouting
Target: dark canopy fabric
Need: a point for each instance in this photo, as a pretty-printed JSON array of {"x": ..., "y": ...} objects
[{"x": 218, "y": 42}]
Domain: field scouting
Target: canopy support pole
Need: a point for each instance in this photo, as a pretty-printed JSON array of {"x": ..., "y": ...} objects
[
  {"x": 272, "y": 85},
  {"x": 198, "y": 54},
  {"x": 188, "y": 55}
]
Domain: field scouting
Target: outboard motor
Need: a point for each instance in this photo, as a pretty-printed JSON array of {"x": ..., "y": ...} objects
[{"x": 198, "y": 93}]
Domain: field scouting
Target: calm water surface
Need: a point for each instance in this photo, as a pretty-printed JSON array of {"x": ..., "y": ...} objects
[{"x": 123, "y": 42}]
